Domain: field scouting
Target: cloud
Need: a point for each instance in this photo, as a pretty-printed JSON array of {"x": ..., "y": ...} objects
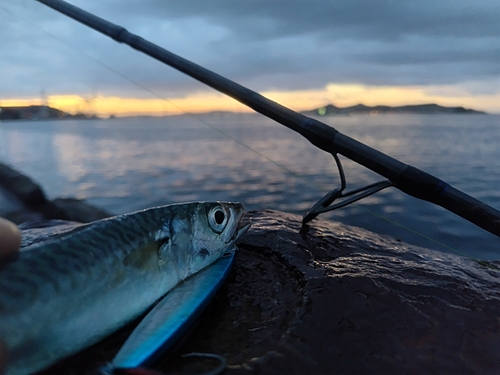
[{"x": 267, "y": 45}]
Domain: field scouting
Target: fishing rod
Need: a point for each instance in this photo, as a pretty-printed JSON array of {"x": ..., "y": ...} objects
[{"x": 406, "y": 178}]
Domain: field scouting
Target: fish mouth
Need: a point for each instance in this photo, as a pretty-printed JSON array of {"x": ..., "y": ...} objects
[
  {"x": 243, "y": 227},
  {"x": 237, "y": 227}
]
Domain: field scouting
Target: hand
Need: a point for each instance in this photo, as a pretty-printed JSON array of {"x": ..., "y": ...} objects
[{"x": 10, "y": 239}]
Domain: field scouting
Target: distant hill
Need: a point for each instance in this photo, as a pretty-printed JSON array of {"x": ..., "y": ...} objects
[
  {"x": 331, "y": 109},
  {"x": 37, "y": 112}
]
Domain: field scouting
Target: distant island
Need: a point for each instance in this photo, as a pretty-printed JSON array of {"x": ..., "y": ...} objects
[
  {"x": 38, "y": 112},
  {"x": 331, "y": 109}
]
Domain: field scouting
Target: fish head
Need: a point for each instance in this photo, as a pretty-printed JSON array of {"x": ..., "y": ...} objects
[
  {"x": 203, "y": 232},
  {"x": 217, "y": 227}
]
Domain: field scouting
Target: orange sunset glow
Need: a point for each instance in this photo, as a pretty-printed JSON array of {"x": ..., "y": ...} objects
[{"x": 339, "y": 94}]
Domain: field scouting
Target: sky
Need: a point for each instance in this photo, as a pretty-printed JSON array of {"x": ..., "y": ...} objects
[{"x": 302, "y": 54}]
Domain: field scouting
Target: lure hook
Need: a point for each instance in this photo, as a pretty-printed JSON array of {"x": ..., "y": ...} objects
[{"x": 324, "y": 204}]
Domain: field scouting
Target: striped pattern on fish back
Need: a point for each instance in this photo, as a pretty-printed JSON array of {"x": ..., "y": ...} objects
[{"x": 68, "y": 262}]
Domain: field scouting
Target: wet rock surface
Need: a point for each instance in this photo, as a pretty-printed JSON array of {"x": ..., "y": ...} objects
[{"x": 330, "y": 298}]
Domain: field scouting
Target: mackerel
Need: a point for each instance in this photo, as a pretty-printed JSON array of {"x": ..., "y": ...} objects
[{"x": 68, "y": 291}]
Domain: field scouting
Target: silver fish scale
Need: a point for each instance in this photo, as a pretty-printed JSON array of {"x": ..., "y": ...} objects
[{"x": 75, "y": 258}]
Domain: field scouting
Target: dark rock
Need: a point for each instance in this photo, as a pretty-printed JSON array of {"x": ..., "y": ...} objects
[
  {"x": 23, "y": 187},
  {"x": 23, "y": 216},
  {"x": 13, "y": 209},
  {"x": 335, "y": 299},
  {"x": 364, "y": 304},
  {"x": 23, "y": 200},
  {"x": 74, "y": 210}
]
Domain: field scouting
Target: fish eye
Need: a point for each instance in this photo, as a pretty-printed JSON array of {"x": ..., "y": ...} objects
[{"x": 218, "y": 218}]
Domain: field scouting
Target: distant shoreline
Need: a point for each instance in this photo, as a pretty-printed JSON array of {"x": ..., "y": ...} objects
[
  {"x": 40, "y": 113},
  {"x": 431, "y": 108}
]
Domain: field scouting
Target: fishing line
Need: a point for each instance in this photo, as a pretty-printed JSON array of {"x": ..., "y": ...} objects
[
  {"x": 145, "y": 88},
  {"x": 288, "y": 170}
]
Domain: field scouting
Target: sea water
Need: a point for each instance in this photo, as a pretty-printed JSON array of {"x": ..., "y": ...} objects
[{"x": 129, "y": 164}]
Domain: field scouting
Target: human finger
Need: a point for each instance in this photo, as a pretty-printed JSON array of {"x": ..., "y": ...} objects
[{"x": 10, "y": 237}]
